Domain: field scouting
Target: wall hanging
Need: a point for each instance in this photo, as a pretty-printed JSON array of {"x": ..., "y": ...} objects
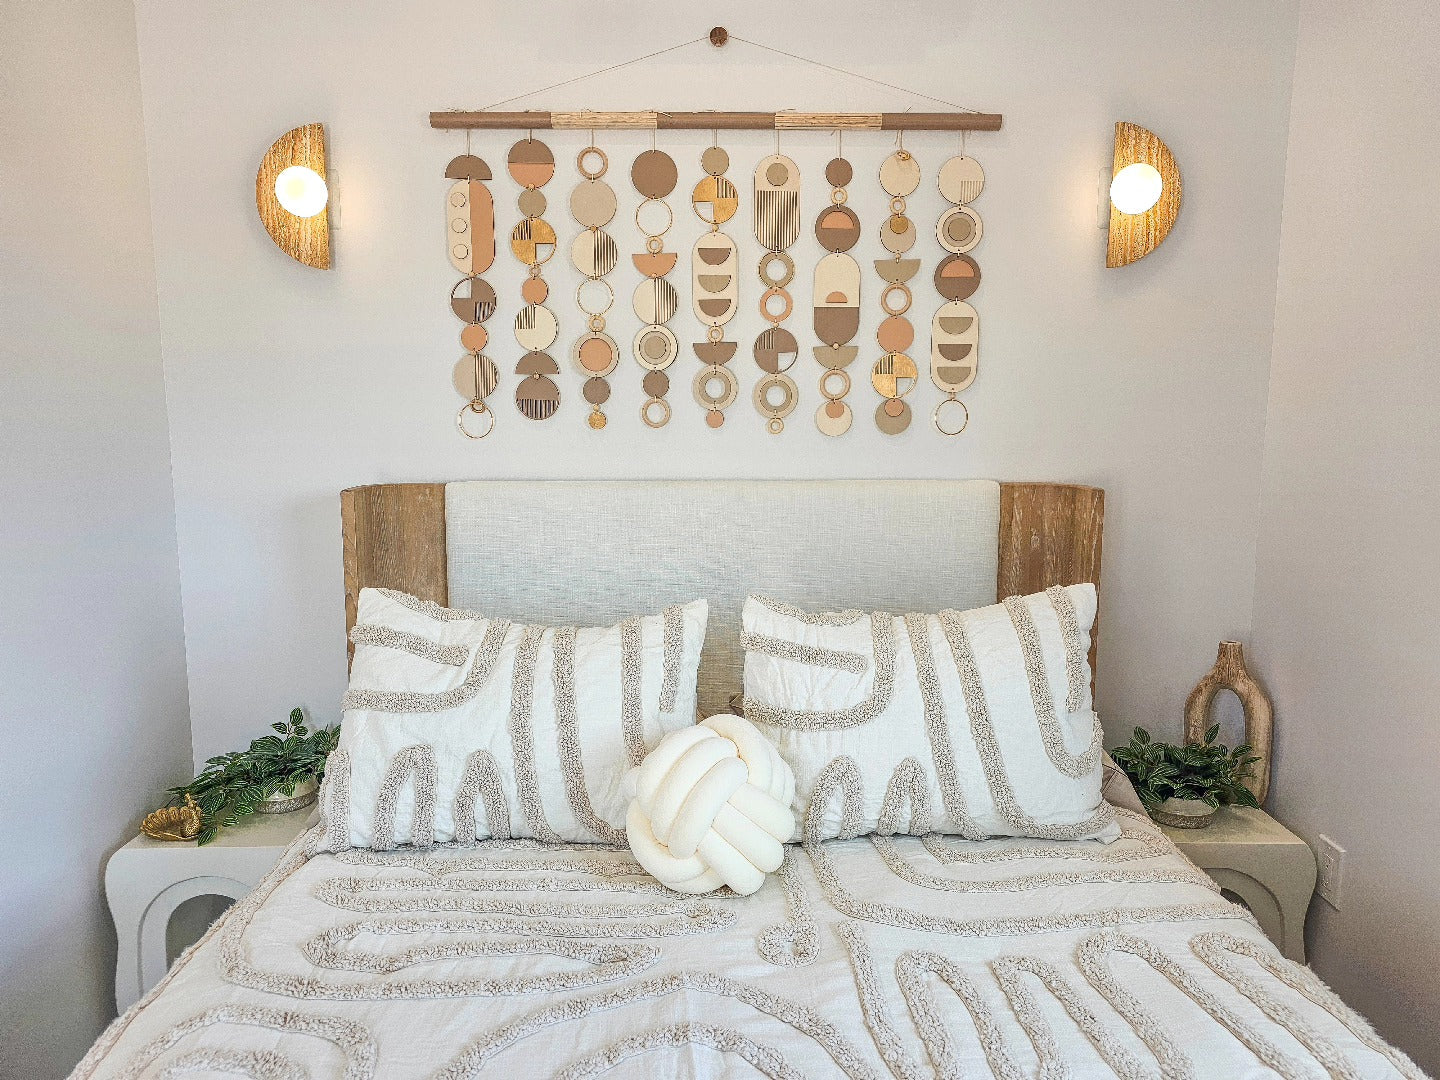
[
  {"x": 714, "y": 266},
  {"x": 955, "y": 330},
  {"x": 837, "y": 298},
  {"x": 291, "y": 195},
  {"x": 654, "y": 175},
  {"x": 594, "y": 254},
  {"x": 777, "y": 227},
  {"x": 715, "y": 260},
  {"x": 533, "y": 241},
  {"x": 470, "y": 217},
  {"x": 1144, "y": 194}
]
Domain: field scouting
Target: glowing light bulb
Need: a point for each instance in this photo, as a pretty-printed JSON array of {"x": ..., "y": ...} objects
[
  {"x": 302, "y": 191},
  {"x": 1136, "y": 188}
]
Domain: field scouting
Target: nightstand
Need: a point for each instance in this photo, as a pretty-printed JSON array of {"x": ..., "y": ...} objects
[
  {"x": 1249, "y": 853},
  {"x": 146, "y": 880}
]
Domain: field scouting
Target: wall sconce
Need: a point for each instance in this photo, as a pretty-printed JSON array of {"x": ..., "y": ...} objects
[
  {"x": 291, "y": 194},
  {"x": 1144, "y": 194}
]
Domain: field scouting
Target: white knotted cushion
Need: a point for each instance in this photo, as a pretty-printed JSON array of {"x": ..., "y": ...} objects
[{"x": 711, "y": 807}]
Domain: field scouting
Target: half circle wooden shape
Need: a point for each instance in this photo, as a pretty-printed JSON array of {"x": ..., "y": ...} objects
[
  {"x": 306, "y": 240},
  {"x": 1133, "y": 236}
]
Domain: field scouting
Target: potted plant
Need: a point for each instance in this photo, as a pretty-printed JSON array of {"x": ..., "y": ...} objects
[
  {"x": 1183, "y": 786},
  {"x": 277, "y": 774}
]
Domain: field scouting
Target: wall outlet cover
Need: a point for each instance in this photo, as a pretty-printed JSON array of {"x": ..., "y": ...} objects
[{"x": 1330, "y": 864}]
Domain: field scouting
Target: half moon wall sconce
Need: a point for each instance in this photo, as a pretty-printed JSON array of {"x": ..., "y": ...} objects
[
  {"x": 1144, "y": 194},
  {"x": 291, "y": 194}
]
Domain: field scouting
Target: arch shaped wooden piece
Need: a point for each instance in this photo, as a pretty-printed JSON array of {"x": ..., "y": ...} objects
[
  {"x": 306, "y": 240},
  {"x": 1230, "y": 673},
  {"x": 1133, "y": 236}
]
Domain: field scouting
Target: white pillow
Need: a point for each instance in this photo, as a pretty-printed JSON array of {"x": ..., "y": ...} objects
[
  {"x": 459, "y": 727},
  {"x": 976, "y": 723}
]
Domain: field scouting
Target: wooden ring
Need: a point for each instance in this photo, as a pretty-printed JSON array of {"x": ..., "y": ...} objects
[
  {"x": 579, "y": 293},
  {"x": 787, "y": 264},
  {"x": 835, "y": 395},
  {"x": 839, "y": 197},
  {"x": 897, "y": 204},
  {"x": 963, "y": 423},
  {"x": 479, "y": 408},
  {"x": 645, "y": 412},
  {"x": 700, "y": 387},
  {"x": 769, "y": 295},
  {"x": 715, "y": 334},
  {"x": 658, "y": 232},
  {"x": 903, "y": 290},
  {"x": 580, "y": 163}
]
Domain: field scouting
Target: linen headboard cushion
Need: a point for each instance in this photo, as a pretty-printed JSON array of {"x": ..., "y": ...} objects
[
  {"x": 591, "y": 553},
  {"x": 578, "y": 552}
]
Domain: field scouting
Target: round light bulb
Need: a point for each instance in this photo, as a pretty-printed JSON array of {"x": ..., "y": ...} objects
[
  {"x": 301, "y": 191},
  {"x": 1136, "y": 188}
]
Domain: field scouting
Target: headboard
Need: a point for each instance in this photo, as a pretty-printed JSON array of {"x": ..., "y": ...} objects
[{"x": 591, "y": 552}]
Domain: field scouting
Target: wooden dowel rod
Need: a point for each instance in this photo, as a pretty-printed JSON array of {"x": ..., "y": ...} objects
[{"x": 728, "y": 121}]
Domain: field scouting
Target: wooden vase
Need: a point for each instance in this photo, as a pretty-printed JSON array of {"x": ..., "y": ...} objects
[{"x": 1230, "y": 673}]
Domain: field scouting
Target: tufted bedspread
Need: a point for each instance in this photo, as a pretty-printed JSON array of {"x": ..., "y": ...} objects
[{"x": 896, "y": 956}]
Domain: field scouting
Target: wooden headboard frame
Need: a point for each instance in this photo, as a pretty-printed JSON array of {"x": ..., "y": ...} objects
[{"x": 395, "y": 539}]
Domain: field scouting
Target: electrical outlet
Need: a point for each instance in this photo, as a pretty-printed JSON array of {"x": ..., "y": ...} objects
[{"x": 1330, "y": 860}]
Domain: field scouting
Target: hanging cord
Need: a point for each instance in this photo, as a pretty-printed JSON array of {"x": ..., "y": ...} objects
[
  {"x": 594, "y": 74},
  {"x": 744, "y": 41},
  {"x": 851, "y": 74}
]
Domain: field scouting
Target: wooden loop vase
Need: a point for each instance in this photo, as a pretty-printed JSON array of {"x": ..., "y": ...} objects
[{"x": 1230, "y": 673}]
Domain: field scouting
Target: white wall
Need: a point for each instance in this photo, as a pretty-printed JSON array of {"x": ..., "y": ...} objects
[
  {"x": 92, "y": 670},
  {"x": 287, "y": 384},
  {"x": 1347, "y": 609}
]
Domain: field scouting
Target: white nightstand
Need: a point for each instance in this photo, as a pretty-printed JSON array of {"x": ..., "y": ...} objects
[
  {"x": 1252, "y": 855},
  {"x": 146, "y": 880}
]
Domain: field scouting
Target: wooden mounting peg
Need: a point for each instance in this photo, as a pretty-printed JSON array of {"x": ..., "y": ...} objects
[{"x": 718, "y": 36}]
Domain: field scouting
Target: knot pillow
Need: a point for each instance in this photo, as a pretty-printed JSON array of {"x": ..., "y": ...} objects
[{"x": 711, "y": 807}]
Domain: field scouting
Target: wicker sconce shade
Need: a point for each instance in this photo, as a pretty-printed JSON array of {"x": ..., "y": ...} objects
[
  {"x": 1135, "y": 235},
  {"x": 297, "y": 161}
]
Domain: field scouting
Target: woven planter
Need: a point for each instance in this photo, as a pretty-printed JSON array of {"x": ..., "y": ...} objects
[
  {"x": 305, "y": 793},
  {"x": 1184, "y": 813}
]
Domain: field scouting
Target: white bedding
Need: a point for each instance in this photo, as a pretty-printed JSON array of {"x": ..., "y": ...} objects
[{"x": 875, "y": 957}]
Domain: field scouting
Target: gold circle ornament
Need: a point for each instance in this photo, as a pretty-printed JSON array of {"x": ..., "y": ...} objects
[
  {"x": 964, "y": 421},
  {"x": 894, "y": 375},
  {"x": 480, "y": 409}
]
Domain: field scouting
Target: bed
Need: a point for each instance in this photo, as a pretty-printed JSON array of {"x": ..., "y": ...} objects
[{"x": 885, "y": 956}]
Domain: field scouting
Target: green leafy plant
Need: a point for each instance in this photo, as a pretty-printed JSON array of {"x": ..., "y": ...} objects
[
  {"x": 1208, "y": 771},
  {"x": 231, "y": 786}
]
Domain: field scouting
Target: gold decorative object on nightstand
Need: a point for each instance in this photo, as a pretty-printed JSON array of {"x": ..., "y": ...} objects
[{"x": 173, "y": 822}]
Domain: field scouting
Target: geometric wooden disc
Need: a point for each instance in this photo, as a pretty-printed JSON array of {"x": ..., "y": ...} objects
[
  {"x": 593, "y": 203},
  {"x": 535, "y": 327},
  {"x": 892, "y": 417},
  {"x": 894, "y": 375},
  {"x": 531, "y": 163},
  {"x": 959, "y": 229},
  {"x": 900, "y": 174},
  {"x": 954, "y": 346},
  {"x": 957, "y": 277},
  {"x": 654, "y": 174},
  {"x": 715, "y": 200},
  {"x": 472, "y": 299},
  {"x": 898, "y": 234},
  {"x": 655, "y": 347},
  {"x": 464, "y": 376},
  {"x": 837, "y": 228},
  {"x": 961, "y": 179}
]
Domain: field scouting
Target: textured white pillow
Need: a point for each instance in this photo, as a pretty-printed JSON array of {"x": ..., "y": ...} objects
[
  {"x": 976, "y": 723},
  {"x": 459, "y": 727},
  {"x": 711, "y": 808}
]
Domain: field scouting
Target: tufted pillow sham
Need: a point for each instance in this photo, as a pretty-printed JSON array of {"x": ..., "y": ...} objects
[
  {"x": 975, "y": 723},
  {"x": 459, "y": 727}
]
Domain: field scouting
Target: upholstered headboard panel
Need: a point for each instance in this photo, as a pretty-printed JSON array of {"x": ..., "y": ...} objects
[{"x": 593, "y": 551}]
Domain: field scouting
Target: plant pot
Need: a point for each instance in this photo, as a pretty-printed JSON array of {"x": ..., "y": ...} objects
[
  {"x": 305, "y": 793},
  {"x": 1184, "y": 813}
]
